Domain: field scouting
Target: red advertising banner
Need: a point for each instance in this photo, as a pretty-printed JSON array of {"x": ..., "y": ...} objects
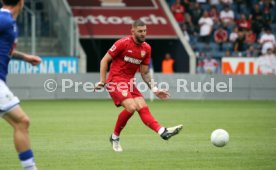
[{"x": 113, "y": 18}]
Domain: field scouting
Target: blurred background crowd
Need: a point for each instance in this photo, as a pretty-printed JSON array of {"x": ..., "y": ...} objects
[{"x": 226, "y": 28}]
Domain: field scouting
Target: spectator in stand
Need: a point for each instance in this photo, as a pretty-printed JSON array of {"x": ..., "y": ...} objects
[
  {"x": 186, "y": 4},
  {"x": 199, "y": 67},
  {"x": 196, "y": 13},
  {"x": 206, "y": 26},
  {"x": 214, "y": 14},
  {"x": 220, "y": 37},
  {"x": 210, "y": 65},
  {"x": 243, "y": 23},
  {"x": 267, "y": 40},
  {"x": 167, "y": 64},
  {"x": 250, "y": 38},
  {"x": 190, "y": 30},
  {"x": 188, "y": 22},
  {"x": 227, "y": 17},
  {"x": 185, "y": 33},
  {"x": 251, "y": 52},
  {"x": 239, "y": 43},
  {"x": 178, "y": 11},
  {"x": 257, "y": 19},
  {"x": 267, "y": 17},
  {"x": 267, "y": 4},
  {"x": 267, "y": 63},
  {"x": 234, "y": 35}
]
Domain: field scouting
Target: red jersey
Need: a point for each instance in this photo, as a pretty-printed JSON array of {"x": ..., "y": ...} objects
[
  {"x": 127, "y": 56},
  {"x": 178, "y": 12},
  {"x": 245, "y": 24},
  {"x": 221, "y": 35}
]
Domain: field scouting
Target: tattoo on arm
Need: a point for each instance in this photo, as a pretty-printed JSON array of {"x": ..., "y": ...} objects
[
  {"x": 145, "y": 73},
  {"x": 18, "y": 55}
]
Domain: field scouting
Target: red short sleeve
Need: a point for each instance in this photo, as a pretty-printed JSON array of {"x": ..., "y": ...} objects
[
  {"x": 117, "y": 48},
  {"x": 146, "y": 61}
]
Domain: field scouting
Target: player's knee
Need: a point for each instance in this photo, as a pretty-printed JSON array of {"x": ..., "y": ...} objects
[
  {"x": 141, "y": 106},
  {"x": 24, "y": 122},
  {"x": 131, "y": 108}
]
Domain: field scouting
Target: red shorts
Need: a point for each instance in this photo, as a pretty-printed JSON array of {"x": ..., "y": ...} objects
[{"x": 120, "y": 91}]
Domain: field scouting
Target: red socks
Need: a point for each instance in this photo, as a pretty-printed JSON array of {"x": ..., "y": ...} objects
[
  {"x": 121, "y": 121},
  {"x": 145, "y": 115},
  {"x": 148, "y": 119}
]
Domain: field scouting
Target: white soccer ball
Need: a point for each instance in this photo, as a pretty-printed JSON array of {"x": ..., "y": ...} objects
[{"x": 219, "y": 137}]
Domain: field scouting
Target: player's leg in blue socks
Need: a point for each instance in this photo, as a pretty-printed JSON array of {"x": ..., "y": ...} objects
[
  {"x": 27, "y": 160},
  {"x": 20, "y": 122}
]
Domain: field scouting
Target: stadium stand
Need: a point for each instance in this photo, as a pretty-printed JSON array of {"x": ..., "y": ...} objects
[
  {"x": 46, "y": 41},
  {"x": 250, "y": 21}
]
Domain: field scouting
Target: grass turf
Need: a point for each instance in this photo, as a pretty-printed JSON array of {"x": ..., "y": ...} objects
[{"x": 73, "y": 135}]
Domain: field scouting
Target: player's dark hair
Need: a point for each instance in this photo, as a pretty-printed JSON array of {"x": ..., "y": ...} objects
[
  {"x": 10, "y": 2},
  {"x": 138, "y": 23}
]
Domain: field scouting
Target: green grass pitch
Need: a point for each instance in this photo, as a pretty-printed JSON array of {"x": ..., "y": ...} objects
[{"x": 73, "y": 135}]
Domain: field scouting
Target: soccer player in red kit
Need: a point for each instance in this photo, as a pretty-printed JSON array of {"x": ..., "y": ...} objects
[{"x": 128, "y": 55}]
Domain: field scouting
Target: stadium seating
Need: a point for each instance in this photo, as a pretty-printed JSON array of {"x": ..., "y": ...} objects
[{"x": 212, "y": 49}]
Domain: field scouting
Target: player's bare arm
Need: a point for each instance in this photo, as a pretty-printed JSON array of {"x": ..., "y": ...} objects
[
  {"x": 34, "y": 60},
  {"x": 144, "y": 69},
  {"x": 103, "y": 70},
  {"x": 145, "y": 73}
]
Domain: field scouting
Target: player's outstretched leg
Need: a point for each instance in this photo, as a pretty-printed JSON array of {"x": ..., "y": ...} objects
[
  {"x": 171, "y": 131},
  {"x": 149, "y": 120},
  {"x": 165, "y": 133}
]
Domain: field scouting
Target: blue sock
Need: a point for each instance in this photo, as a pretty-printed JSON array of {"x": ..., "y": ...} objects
[
  {"x": 23, "y": 156},
  {"x": 27, "y": 159}
]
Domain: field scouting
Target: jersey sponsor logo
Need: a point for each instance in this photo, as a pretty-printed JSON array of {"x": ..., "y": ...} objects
[
  {"x": 143, "y": 53},
  {"x": 130, "y": 51},
  {"x": 132, "y": 60}
]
